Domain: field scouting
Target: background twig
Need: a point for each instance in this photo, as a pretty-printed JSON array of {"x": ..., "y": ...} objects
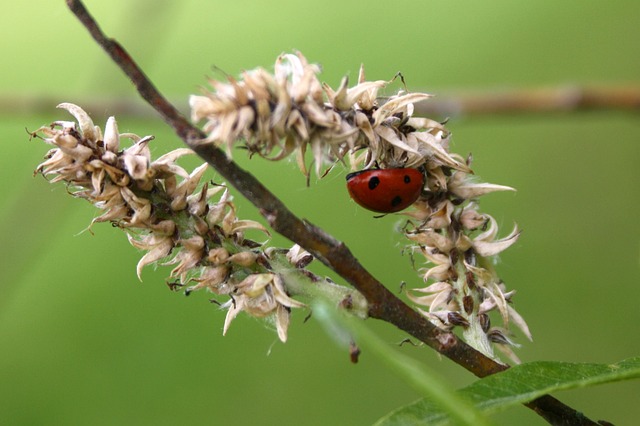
[
  {"x": 534, "y": 100},
  {"x": 542, "y": 100}
]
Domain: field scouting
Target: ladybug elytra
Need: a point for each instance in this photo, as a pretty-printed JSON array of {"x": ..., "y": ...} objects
[{"x": 385, "y": 190}]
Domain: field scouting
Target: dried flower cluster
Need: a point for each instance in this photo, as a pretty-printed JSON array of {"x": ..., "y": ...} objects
[
  {"x": 275, "y": 115},
  {"x": 290, "y": 111},
  {"x": 460, "y": 245},
  {"x": 170, "y": 215}
]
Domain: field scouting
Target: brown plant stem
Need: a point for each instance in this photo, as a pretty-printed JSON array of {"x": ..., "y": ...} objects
[
  {"x": 534, "y": 100},
  {"x": 383, "y": 304},
  {"x": 542, "y": 100}
]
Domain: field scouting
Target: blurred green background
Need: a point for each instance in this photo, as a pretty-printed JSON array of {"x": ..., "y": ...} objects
[{"x": 83, "y": 342}]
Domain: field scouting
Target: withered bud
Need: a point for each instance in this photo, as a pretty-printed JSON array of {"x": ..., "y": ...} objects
[
  {"x": 497, "y": 335},
  {"x": 471, "y": 219},
  {"x": 304, "y": 261},
  {"x": 470, "y": 280},
  {"x": 218, "y": 255},
  {"x": 354, "y": 352},
  {"x": 299, "y": 257},
  {"x": 467, "y": 303},
  {"x": 211, "y": 278},
  {"x": 243, "y": 258},
  {"x": 485, "y": 322},
  {"x": 346, "y": 303},
  {"x": 455, "y": 318},
  {"x": 200, "y": 226}
]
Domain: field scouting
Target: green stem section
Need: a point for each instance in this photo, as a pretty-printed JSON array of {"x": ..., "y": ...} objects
[
  {"x": 416, "y": 374},
  {"x": 298, "y": 283}
]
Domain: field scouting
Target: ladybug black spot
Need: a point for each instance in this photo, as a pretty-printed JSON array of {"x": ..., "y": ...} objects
[
  {"x": 397, "y": 200},
  {"x": 407, "y": 179},
  {"x": 374, "y": 182}
]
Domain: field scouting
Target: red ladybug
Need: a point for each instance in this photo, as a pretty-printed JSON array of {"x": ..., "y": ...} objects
[{"x": 385, "y": 190}]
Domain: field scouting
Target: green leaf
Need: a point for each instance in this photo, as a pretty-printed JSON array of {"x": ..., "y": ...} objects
[{"x": 517, "y": 385}]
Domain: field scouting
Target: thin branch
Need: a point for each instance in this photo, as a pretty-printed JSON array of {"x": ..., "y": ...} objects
[
  {"x": 384, "y": 305},
  {"x": 542, "y": 100},
  {"x": 539, "y": 100}
]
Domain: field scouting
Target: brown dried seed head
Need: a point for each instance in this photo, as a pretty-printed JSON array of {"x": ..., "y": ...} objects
[
  {"x": 218, "y": 255},
  {"x": 243, "y": 258}
]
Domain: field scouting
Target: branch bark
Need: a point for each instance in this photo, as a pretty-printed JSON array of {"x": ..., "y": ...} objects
[
  {"x": 384, "y": 305},
  {"x": 543, "y": 100},
  {"x": 539, "y": 100}
]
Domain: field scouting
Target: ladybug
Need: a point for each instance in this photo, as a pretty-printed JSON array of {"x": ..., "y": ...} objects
[{"x": 385, "y": 190}]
